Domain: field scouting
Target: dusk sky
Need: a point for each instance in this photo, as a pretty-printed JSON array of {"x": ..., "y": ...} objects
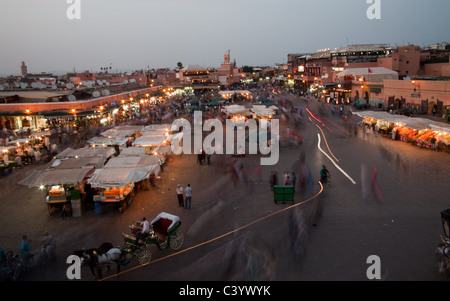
[{"x": 134, "y": 34}]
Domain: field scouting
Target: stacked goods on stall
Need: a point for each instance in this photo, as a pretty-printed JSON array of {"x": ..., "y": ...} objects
[
  {"x": 111, "y": 194},
  {"x": 384, "y": 127},
  {"x": 56, "y": 193},
  {"x": 423, "y": 138},
  {"x": 407, "y": 134},
  {"x": 56, "y": 198}
]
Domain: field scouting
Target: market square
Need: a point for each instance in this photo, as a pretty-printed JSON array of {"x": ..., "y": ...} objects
[{"x": 329, "y": 166}]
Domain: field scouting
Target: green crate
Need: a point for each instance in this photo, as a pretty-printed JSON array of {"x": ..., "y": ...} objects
[{"x": 284, "y": 193}]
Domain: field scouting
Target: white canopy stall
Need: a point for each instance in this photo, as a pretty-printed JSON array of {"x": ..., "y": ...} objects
[
  {"x": 261, "y": 111},
  {"x": 144, "y": 161},
  {"x": 107, "y": 152},
  {"x": 59, "y": 184},
  {"x": 69, "y": 163},
  {"x": 106, "y": 141},
  {"x": 52, "y": 177}
]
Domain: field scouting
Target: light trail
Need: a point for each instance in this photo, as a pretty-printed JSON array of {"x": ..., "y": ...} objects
[
  {"x": 338, "y": 127},
  {"x": 334, "y": 163},
  {"x": 218, "y": 237},
  {"x": 325, "y": 139},
  {"x": 318, "y": 120}
]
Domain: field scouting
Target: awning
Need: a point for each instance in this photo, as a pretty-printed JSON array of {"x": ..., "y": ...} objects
[
  {"x": 143, "y": 161},
  {"x": 107, "y": 141},
  {"x": 107, "y": 152},
  {"x": 262, "y": 111},
  {"x": 410, "y": 122},
  {"x": 113, "y": 133},
  {"x": 71, "y": 163},
  {"x": 58, "y": 114},
  {"x": 235, "y": 109},
  {"x": 150, "y": 140},
  {"x": 52, "y": 177},
  {"x": 120, "y": 177},
  {"x": 134, "y": 151},
  {"x": 20, "y": 140},
  {"x": 160, "y": 127}
]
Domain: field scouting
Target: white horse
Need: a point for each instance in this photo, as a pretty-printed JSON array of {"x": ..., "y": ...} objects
[
  {"x": 101, "y": 257},
  {"x": 113, "y": 255}
]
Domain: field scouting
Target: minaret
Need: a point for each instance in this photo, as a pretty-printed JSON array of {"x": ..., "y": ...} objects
[
  {"x": 226, "y": 58},
  {"x": 23, "y": 69}
]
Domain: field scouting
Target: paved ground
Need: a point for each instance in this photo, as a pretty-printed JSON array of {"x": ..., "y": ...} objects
[{"x": 329, "y": 237}]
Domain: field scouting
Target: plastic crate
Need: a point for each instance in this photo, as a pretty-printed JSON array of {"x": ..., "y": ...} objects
[{"x": 284, "y": 193}]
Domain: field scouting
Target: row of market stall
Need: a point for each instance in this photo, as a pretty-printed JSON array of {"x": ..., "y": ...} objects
[
  {"x": 117, "y": 164},
  {"x": 23, "y": 151},
  {"x": 239, "y": 113},
  {"x": 422, "y": 132}
]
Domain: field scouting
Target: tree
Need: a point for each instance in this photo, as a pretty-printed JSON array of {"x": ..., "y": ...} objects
[
  {"x": 247, "y": 69},
  {"x": 180, "y": 65}
]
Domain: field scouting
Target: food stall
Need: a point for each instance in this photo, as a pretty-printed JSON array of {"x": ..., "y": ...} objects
[
  {"x": 262, "y": 112},
  {"x": 406, "y": 134},
  {"x": 418, "y": 131},
  {"x": 6, "y": 162},
  {"x": 62, "y": 186},
  {"x": 163, "y": 150},
  {"x": 115, "y": 185},
  {"x": 442, "y": 135},
  {"x": 237, "y": 114}
]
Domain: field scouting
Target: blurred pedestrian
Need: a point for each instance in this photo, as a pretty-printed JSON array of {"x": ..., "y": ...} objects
[
  {"x": 376, "y": 190},
  {"x": 48, "y": 245},
  {"x": 364, "y": 182},
  {"x": 288, "y": 181},
  {"x": 25, "y": 251},
  {"x": 273, "y": 179},
  {"x": 259, "y": 175},
  {"x": 294, "y": 179}
]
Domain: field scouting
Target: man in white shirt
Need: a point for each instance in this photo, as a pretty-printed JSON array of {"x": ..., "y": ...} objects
[
  {"x": 180, "y": 195},
  {"x": 145, "y": 229}
]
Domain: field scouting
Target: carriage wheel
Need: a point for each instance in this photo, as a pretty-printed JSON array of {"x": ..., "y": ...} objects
[
  {"x": 144, "y": 255},
  {"x": 176, "y": 240},
  {"x": 128, "y": 255},
  {"x": 50, "y": 209}
]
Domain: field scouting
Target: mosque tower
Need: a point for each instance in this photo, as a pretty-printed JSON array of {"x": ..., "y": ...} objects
[{"x": 23, "y": 69}]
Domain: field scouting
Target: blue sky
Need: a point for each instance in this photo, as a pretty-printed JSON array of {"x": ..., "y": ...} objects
[{"x": 134, "y": 34}]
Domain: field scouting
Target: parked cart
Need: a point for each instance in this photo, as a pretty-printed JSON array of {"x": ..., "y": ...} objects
[{"x": 165, "y": 232}]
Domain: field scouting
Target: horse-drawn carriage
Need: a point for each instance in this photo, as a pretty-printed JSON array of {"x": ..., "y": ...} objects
[{"x": 165, "y": 232}]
